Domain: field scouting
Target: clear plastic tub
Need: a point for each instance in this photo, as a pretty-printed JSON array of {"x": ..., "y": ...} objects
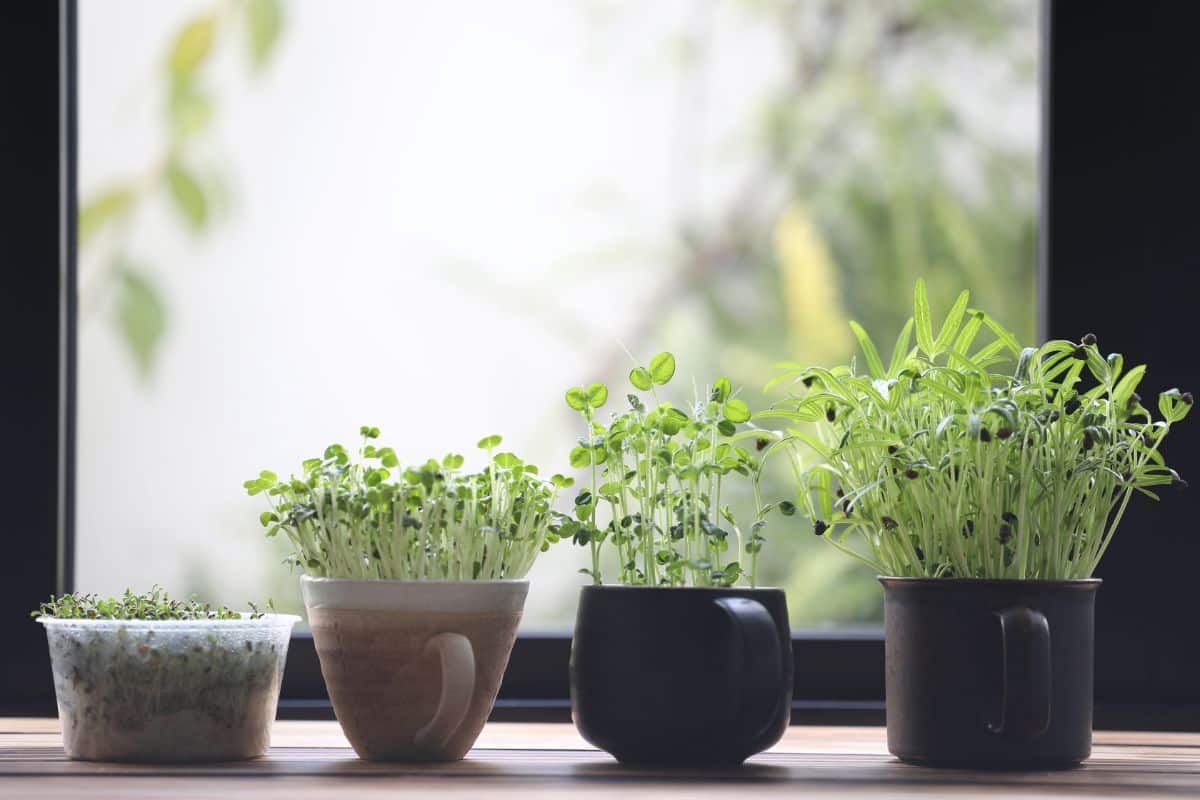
[{"x": 167, "y": 690}]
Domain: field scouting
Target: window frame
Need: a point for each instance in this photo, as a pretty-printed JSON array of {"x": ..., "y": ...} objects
[{"x": 1142, "y": 678}]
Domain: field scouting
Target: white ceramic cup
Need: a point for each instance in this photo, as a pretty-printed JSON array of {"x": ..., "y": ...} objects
[{"x": 388, "y": 648}]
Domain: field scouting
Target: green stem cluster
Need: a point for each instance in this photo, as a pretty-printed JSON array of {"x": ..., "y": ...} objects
[
  {"x": 152, "y": 605},
  {"x": 657, "y": 475},
  {"x": 946, "y": 467},
  {"x": 353, "y": 519}
]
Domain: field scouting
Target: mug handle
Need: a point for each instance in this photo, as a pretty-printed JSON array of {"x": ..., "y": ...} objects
[
  {"x": 758, "y": 658},
  {"x": 458, "y": 687},
  {"x": 1025, "y": 681}
]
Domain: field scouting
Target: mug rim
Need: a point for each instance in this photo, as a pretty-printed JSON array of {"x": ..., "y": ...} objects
[
  {"x": 618, "y": 587},
  {"x": 448, "y": 597},
  {"x": 321, "y": 579},
  {"x": 889, "y": 581},
  {"x": 244, "y": 622}
]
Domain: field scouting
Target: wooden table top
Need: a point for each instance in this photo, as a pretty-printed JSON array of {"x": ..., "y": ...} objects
[{"x": 313, "y": 759}]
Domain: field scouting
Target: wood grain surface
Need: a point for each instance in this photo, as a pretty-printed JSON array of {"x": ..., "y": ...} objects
[{"x": 313, "y": 759}]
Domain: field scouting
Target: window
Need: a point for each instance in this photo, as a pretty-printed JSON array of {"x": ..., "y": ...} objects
[
  {"x": 726, "y": 183},
  {"x": 436, "y": 221}
]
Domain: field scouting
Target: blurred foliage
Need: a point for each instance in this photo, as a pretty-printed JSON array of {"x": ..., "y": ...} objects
[
  {"x": 864, "y": 166},
  {"x": 870, "y": 167},
  {"x": 112, "y": 277}
]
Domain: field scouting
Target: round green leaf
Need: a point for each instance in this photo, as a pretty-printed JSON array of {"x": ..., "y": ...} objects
[
  {"x": 736, "y": 410},
  {"x": 641, "y": 379},
  {"x": 508, "y": 460},
  {"x": 597, "y": 395},
  {"x": 580, "y": 456},
  {"x": 721, "y": 389},
  {"x": 577, "y": 398},
  {"x": 488, "y": 442},
  {"x": 662, "y": 368}
]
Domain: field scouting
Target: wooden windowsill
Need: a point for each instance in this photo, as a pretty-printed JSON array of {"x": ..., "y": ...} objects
[{"x": 312, "y": 759}]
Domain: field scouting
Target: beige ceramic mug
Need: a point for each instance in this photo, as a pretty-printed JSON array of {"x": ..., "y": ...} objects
[{"x": 413, "y": 667}]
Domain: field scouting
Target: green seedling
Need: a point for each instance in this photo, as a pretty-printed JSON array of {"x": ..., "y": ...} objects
[
  {"x": 146, "y": 675},
  {"x": 949, "y": 461},
  {"x": 372, "y": 518},
  {"x": 656, "y": 477},
  {"x": 154, "y": 604}
]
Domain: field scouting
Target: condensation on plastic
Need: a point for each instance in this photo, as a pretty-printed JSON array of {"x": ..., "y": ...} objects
[{"x": 169, "y": 690}]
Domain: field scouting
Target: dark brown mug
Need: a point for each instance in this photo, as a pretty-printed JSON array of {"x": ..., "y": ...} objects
[
  {"x": 681, "y": 676},
  {"x": 989, "y": 673}
]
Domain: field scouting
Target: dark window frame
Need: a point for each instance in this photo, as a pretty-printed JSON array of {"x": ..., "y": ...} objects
[{"x": 1114, "y": 193}]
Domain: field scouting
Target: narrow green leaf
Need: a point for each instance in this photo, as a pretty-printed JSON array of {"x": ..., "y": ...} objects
[
  {"x": 103, "y": 209},
  {"x": 189, "y": 109},
  {"x": 141, "y": 316},
  {"x": 192, "y": 44},
  {"x": 900, "y": 352},
  {"x": 188, "y": 196},
  {"x": 807, "y": 414},
  {"x": 824, "y": 491},
  {"x": 264, "y": 24},
  {"x": 966, "y": 336},
  {"x": 1003, "y": 334},
  {"x": 924, "y": 323},
  {"x": 868, "y": 348},
  {"x": 952, "y": 322}
]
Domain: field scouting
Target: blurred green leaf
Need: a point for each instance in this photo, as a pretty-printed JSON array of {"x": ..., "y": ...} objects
[
  {"x": 141, "y": 316},
  {"x": 264, "y": 23},
  {"x": 189, "y": 109},
  {"x": 102, "y": 209},
  {"x": 192, "y": 44},
  {"x": 188, "y": 195}
]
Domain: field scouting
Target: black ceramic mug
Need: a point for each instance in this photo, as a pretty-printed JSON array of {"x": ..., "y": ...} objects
[
  {"x": 989, "y": 673},
  {"x": 688, "y": 676}
]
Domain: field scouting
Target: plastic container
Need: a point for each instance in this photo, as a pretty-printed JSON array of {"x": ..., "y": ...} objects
[{"x": 167, "y": 690}]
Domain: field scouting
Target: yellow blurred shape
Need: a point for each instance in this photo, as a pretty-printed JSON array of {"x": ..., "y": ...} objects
[{"x": 817, "y": 323}]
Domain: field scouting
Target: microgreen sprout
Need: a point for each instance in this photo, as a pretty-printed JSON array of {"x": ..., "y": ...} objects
[
  {"x": 656, "y": 478},
  {"x": 143, "y": 677},
  {"x": 154, "y": 604},
  {"x": 946, "y": 466},
  {"x": 373, "y": 518}
]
